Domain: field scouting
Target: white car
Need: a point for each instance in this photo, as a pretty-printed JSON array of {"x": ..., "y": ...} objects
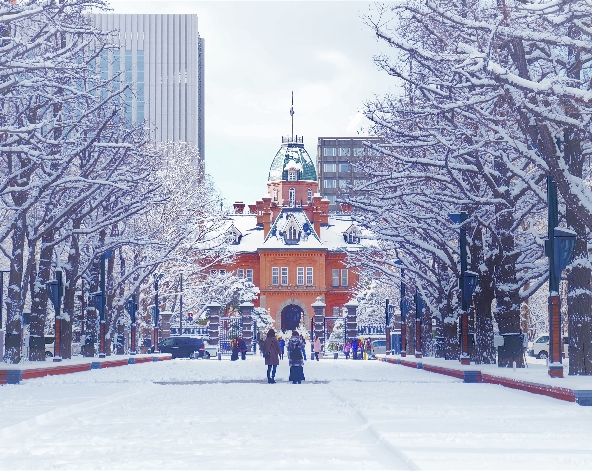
[
  {"x": 378, "y": 347},
  {"x": 540, "y": 347},
  {"x": 210, "y": 351}
]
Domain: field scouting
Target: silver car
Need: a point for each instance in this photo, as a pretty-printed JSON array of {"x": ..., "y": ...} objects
[{"x": 378, "y": 347}]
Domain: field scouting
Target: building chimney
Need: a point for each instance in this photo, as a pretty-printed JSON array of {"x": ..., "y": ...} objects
[
  {"x": 316, "y": 214},
  {"x": 346, "y": 208},
  {"x": 266, "y": 215},
  {"x": 252, "y": 208},
  {"x": 239, "y": 207}
]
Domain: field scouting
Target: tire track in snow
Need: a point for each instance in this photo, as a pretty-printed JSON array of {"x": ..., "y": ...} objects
[{"x": 402, "y": 459}]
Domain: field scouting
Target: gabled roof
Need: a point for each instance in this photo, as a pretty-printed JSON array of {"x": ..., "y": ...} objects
[{"x": 309, "y": 238}]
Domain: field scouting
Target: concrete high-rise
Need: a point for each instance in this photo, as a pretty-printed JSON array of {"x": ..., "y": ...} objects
[{"x": 163, "y": 57}]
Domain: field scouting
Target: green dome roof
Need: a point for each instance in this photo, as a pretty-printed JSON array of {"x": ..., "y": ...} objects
[{"x": 292, "y": 151}]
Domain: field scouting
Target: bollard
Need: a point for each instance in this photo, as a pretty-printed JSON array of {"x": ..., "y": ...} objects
[
  {"x": 219, "y": 356},
  {"x": 335, "y": 356}
]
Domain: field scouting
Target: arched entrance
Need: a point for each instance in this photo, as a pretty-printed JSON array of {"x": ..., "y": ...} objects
[{"x": 291, "y": 317}]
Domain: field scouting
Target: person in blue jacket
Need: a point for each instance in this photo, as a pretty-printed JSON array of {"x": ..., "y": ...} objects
[{"x": 282, "y": 343}]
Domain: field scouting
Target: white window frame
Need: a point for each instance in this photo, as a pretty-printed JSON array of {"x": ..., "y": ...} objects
[
  {"x": 222, "y": 272},
  {"x": 309, "y": 276},
  {"x": 347, "y": 166},
  {"x": 240, "y": 273},
  {"x": 343, "y": 184},
  {"x": 275, "y": 276},
  {"x": 329, "y": 183},
  {"x": 284, "y": 279},
  {"x": 309, "y": 195},
  {"x": 275, "y": 194},
  {"x": 329, "y": 167},
  {"x": 300, "y": 276},
  {"x": 329, "y": 151},
  {"x": 344, "y": 277},
  {"x": 249, "y": 273},
  {"x": 344, "y": 151},
  {"x": 292, "y": 196},
  {"x": 213, "y": 272},
  {"x": 335, "y": 277},
  {"x": 292, "y": 175}
]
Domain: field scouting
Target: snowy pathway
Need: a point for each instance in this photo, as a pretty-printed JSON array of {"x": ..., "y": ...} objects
[{"x": 357, "y": 415}]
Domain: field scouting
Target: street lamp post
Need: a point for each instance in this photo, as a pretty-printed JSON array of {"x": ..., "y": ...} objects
[
  {"x": 467, "y": 282},
  {"x": 559, "y": 248},
  {"x": 157, "y": 278},
  {"x": 55, "y": 292},
  {"x": 419, "y": 305},
  {"x": 132, "y": 307}
]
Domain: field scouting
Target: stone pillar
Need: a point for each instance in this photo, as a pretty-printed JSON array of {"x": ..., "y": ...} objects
[
  {"x": 352, "y": 319},
  {"x": 165, "y": 324},
  {"x": 246, "y": 310},
  {"x": 214, "y": 327},
  {"x": 319, "y": 320}
]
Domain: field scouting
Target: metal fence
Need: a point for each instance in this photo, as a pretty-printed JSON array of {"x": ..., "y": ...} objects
[{"x": 230, "y": 328}]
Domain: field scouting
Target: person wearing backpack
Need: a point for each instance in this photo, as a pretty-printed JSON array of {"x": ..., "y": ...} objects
[
  {"x": 271, "y": 353},
  {"x": 295, "y": 345}
]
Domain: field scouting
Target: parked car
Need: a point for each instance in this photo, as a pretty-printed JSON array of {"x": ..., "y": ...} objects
[
  {"x": 183, "y": 347},
  {"x": 540, "y": 347},
  {"x": 49, "y": 345},
  {"x": 378, "y": 347}
]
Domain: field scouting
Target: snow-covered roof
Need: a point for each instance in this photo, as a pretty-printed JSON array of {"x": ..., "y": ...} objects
[
  {"x": 292, "y": 151},
  {"x": 331, "y": 238},
  {"x": 293, "y": 165}
]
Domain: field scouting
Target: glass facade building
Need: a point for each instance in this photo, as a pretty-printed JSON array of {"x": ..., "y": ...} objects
[{"x": 162, "y": 56}]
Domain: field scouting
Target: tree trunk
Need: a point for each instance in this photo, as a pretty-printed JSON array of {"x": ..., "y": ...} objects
[
  {"x": 507, "y": 295},
  {"x": 15, "y": 301},
  {"x": 39, "y": 293},
  {"x": 450, "y": 332},
  {"x": 72, "y": 276}
]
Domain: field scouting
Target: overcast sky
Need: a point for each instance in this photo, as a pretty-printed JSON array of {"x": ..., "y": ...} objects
[{"x": 256, "y": 54}]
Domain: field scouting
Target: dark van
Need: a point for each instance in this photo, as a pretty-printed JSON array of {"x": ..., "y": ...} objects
[{"x": 182, "y": 347}]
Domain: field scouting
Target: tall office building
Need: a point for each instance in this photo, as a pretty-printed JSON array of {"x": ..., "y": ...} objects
[
  {"x": 336, "y": 169},
  {"x": 163, "y": 57}
]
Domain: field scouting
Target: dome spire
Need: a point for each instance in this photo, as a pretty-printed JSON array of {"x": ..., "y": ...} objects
[{"x": 292, "y": 114}]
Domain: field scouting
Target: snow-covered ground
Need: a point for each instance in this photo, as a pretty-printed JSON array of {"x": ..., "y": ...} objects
[{"x": 219, "y": 415}]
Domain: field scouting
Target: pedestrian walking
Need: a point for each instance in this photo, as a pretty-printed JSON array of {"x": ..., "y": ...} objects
[
  {"x": 242, "y": 346},
  {"x": 303, "y": 346},
  {"x": 368, "y": 348},
  {"x": 296, "y": 361},
  {"x": 282, "y": 344},
  {"x": 317, "y": 347},
  {"x": 346, "y": 349},
  {"x": 271, "y": 353},
  {"x": 234, "y": 349},
  {"x": 354, "y": 347}
]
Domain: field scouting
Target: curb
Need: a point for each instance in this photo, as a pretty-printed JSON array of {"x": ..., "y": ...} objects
[
  {"x": 16, "y": 376},
  {"x": 581, "y": 397}
]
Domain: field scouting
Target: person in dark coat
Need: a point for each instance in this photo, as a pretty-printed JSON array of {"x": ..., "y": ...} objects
[
  {"x": 354, "y": 348},
  {"x": 295, "y": 345},
  {"x": 282, "y": 343},
  {"x": 234, "y": 347},
  {"x": 242, "y": 346},
  {"x": 271, "y": 353}
]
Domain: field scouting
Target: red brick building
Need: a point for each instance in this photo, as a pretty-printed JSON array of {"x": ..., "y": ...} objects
[{"x": 289, "y": 245}]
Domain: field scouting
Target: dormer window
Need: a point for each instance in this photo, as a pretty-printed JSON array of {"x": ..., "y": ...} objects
[
  {"x": 352, "y": 235},
  {"x": 292, "y": 175},
  {"x": 292, "y": 231},
  {"x": 234, "y": 235}
]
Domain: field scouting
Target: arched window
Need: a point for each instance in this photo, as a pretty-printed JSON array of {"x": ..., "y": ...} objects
[
  {"x": 292, "y": 233},
  {"x": 292, "y": 197},
  {"x": 309, "y": 195},
  {"x": 275, "y": 194}
]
